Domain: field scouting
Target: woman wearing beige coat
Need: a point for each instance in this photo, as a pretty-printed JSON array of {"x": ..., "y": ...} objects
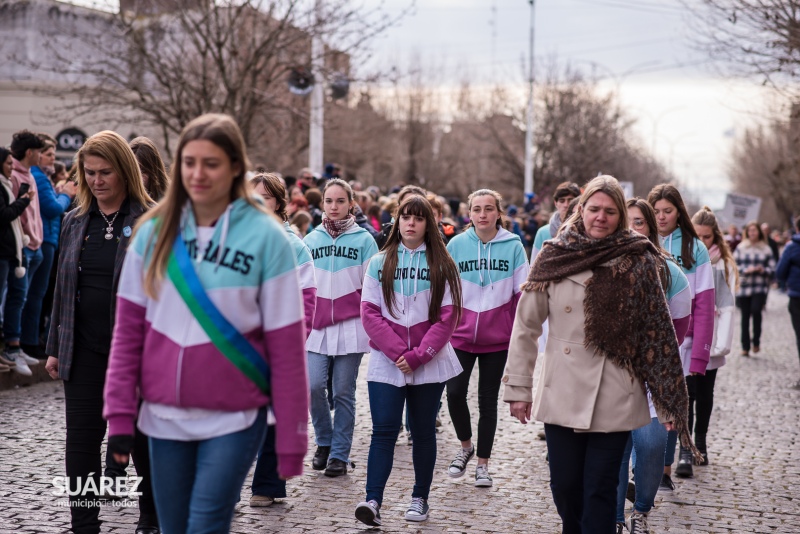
[{"x": 601, "y": 287}]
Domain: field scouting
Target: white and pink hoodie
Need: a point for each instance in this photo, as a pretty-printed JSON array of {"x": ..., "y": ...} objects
[
  {"x": 340, "y": 265},
  {"x": 425, "y": 345},
  {"x": 491, "y": 276}
]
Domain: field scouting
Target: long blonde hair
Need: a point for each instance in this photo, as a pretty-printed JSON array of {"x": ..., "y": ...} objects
[
  {"x": 223, "y": 132},
  {"x": 113, "y": 148},
  {"x": 706, "y": 217}
]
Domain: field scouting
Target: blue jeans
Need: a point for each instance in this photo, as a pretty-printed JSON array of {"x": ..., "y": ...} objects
[
  {"x": 197, "y": 483},
  {"x": 5, "y": 266},
  {"x": 386, "y": 405},
  {"x": 647, "y": 444},
  {"x": 669, "y": 452},
  {"x": 266, "y": 481},
  {"x": 39, "y": 264},
  {"x": 335, "y": 432},
  {"x": 15, "y": 301}
]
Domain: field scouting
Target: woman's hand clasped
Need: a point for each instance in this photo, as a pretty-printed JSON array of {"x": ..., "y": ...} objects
[
  {"x": 521, "y": 410},
  {"x": 402, "y": 364}
]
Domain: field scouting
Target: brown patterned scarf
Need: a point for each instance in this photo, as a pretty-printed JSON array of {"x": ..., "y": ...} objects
[
  {"x": 627, "y": 316},
  {"x": 337, "y": 228}
]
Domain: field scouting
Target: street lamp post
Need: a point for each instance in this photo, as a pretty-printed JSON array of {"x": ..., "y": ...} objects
[
  {"x": 528, "y": 183},
  {"x": 317, "y": 118}
]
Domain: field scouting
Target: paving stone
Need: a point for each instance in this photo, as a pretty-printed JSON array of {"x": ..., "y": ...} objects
[{"x": 751, "y": 485}]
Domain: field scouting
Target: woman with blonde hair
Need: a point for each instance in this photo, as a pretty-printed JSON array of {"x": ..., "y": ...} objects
[
  {"x": 756, "y": 265},
  {"x": 726, "y": 282},
  {"x": 209, "y": 332},
  {"x": 94, "y": 240},
  {"x": 593, "y": 282}
]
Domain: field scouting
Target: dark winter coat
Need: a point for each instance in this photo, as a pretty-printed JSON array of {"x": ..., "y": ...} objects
[{"x": 788, "y": 270}]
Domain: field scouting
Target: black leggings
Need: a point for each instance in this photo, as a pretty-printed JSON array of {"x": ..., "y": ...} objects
[
  {"x": 794, "y": 313},
  {"x": 701, "y": 399},
  {"x": 751, "y": 306},
  {"x": 83, "y": 394},
  {"x": 490, "y": 369}
]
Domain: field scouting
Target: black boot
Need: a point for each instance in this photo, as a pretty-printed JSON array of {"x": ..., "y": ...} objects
[
  {"x": 336, "y": 468},
  {"x": 320, "y": 460},
  {"x": 684, "y": 469},
  {"x": 148, "y": 524}
]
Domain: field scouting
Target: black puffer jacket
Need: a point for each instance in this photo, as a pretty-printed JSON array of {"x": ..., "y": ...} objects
[{"x": 9, "y": 211}]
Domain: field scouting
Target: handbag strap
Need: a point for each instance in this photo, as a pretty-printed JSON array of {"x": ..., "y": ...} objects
[{"x": 225, "y": 337}]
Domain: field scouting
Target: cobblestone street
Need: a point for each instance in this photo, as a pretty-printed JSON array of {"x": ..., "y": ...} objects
[{"x": 752, "y": 484}]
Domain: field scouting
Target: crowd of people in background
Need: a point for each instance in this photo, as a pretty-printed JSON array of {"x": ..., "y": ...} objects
[{"x": 202, "y": 314}]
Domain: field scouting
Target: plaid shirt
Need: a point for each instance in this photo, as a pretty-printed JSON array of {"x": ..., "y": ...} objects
[
  {"x": 62, "y": 324},
  {"x": 749, "y": 255}
]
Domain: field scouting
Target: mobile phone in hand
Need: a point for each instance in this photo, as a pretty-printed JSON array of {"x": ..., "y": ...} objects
[{"x": 23, "y": 189}]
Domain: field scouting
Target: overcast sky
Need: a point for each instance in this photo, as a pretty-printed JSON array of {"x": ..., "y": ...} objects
[{"x": 642, "y": 47}]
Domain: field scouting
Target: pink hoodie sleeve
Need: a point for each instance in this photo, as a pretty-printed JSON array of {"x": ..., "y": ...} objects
[
  {"x": 121, "y": 399},
  {"x": 380, "y": 333},
  {"x": 289, "y": 395},
  {"x": 434, "y": 340},
  {"x": 309, "y": 307},
  {"x": 702, "y": 330},
  {"x": 681, "y": 326}
]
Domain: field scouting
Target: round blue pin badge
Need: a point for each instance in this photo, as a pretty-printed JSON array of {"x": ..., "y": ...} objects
[{"x": 127, "y": 231}]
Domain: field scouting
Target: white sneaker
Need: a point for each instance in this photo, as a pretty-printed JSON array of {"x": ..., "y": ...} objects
[
  {"x": 417, "y": 510},
  {"x": 30, "y": 360},
  {"x": 459, "y": 464},
  {"x": 637, "y": 523},
  {"x": 20, "y": 366},
  {"x": 482, "y": 478}
]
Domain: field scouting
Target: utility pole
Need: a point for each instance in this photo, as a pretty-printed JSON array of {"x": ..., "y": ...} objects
[
  {"x": 317, "y": 115},
  {"x": 529, "y": 133}
]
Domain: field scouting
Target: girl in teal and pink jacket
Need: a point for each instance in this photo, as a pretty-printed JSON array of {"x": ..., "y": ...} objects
[
  {"x": 679, "y": 238},
  {"x": 341, "y": 251},
  {"x": 493, "y": 266},
  {"x": 410, "y": 307},
  {"x": 209, "y": 331}
]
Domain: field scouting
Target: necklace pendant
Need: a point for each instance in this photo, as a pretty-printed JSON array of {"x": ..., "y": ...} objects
[{"x": 109, "y": 236}]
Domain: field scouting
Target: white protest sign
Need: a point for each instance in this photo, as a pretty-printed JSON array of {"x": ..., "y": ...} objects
[
  {"x": 628, "y": 188},
  {"x": 740, "y": 209}
]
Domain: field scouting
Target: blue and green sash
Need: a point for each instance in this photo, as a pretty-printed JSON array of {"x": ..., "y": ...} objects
[{"x": 228, "y": 340}]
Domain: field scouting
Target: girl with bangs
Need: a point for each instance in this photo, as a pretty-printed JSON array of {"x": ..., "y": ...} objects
[{"x": 410, "y": 306}]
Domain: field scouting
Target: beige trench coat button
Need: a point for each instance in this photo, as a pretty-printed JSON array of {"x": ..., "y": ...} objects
[
  {"x": 566, "y": 350},
  {"x": 568, "y": 309},
  {"x": 505, "y": 378}
]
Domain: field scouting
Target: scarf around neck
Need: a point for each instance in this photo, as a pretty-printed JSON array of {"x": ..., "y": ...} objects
[
  {"x": 337, "y": 228},
  {"x": 627, "y": 316},
  {"x": 714, "y": 254}
]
